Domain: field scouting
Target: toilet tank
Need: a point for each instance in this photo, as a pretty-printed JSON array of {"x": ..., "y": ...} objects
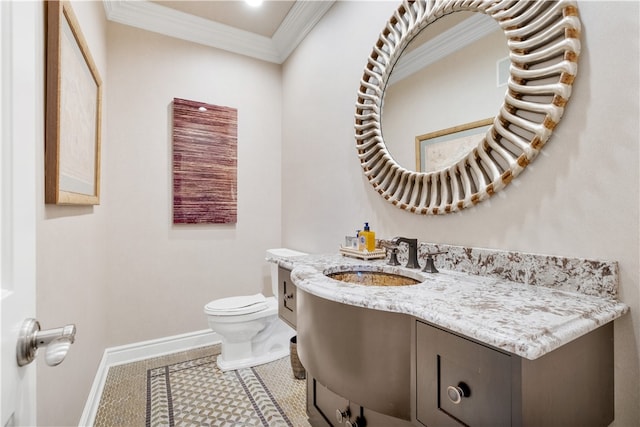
[{"x": 273, "y": 255}]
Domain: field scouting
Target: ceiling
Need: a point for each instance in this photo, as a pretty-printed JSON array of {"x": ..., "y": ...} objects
[
  {"x": 269, "y": 32},
  {"x": 263, "y": 20}
]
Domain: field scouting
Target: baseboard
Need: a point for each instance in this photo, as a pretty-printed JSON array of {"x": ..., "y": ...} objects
[{"x": 114, "y": 356}]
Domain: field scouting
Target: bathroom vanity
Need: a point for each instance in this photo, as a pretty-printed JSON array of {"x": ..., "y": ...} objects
[
  {"x": 455, "y": 349},
  {"x": 495, "y": 338}
]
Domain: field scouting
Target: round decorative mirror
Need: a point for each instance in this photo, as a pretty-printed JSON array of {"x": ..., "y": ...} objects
[{"x": 460, "y": 163}]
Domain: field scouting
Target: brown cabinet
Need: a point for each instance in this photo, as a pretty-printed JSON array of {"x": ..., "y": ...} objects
[
  {"x": 367, "y": 367},
  {"x": 286, "y": 297},
  {"x": 459, "y": 382}
]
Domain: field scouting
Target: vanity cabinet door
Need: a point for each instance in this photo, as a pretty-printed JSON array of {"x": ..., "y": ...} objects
[
  {"x": 460, "y": 382},
  {"x": 286, "y": 297},
  {"x": 326, "y": 408}
]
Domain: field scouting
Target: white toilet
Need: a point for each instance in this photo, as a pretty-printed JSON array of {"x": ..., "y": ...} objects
[{"x": 251, "y": 332}]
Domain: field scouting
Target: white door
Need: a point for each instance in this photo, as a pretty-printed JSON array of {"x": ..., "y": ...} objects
[{"x": 21, "y": 133}]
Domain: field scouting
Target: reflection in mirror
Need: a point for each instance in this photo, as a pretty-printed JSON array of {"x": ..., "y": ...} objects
[
  {"x": 442, "y": 148},
  {"x": 445, "y": 80}
]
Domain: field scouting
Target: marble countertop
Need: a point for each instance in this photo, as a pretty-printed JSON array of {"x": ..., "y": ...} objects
[{"x": 525, "y": 320}]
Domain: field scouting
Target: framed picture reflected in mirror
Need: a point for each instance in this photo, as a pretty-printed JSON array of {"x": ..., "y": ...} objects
[{"x": 440, "y": 149}]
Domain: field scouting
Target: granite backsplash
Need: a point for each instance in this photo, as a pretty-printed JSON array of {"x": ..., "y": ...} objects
[{"x": 587, "y": 276}]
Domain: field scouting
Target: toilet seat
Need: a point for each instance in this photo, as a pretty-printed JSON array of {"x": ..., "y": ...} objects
[{"x": 234, "y": 306}]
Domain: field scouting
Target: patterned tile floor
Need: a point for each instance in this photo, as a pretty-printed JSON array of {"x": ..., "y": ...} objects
[{"x": 199, "y": 394}]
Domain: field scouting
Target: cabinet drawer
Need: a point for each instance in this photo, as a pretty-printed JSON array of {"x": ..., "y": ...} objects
[
  {"x": 286, "y": 297},
  {"x": 448, "y": 366}
]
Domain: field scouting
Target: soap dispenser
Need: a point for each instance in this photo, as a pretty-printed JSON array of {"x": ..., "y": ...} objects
[{"x": 368, "y": 238}]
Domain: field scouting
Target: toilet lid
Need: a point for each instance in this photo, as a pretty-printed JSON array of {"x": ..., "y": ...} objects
[{"x": 237, "y": 305}]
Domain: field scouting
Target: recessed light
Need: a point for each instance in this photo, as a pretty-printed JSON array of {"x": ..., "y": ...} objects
[{"x": 253, "y": 3}]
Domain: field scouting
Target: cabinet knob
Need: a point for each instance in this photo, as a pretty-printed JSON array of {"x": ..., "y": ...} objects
[
  {"x": 359, "y": 422},
  {"x": 456, "y": 393},
  {"x": 342, "y": 416}
]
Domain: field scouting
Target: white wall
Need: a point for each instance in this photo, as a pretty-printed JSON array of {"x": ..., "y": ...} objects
[
  {"x": 578, "y": 199},
  {"x": 71, "y": 268},
  {"x": 160, "y": 275}
]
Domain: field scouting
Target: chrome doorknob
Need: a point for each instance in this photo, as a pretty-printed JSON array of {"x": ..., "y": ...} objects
[{"x": 31, "y": 338}]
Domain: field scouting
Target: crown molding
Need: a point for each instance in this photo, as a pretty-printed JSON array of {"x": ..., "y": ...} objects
[
  {"x": 300, "y": 20},
  {"x": 160, "y": 19}
]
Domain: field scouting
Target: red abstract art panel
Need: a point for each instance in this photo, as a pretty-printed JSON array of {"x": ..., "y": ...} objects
[{"x": 205, "y": 159}]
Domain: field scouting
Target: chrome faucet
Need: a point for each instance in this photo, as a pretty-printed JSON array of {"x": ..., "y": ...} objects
[{"x": 412, "y": 261}]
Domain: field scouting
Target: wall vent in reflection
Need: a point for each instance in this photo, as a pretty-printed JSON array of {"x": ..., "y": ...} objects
[{"x": 502, "y": 71}]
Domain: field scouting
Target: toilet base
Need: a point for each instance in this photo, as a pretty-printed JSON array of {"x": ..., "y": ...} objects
[
  {"x": 271, "y": 344},
  {"x": 252, "y": 361}
]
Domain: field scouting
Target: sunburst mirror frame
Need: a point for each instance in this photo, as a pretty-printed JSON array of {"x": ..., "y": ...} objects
[{"x": 544, "y": 45}]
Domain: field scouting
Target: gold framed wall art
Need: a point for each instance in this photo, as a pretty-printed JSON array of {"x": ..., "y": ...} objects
[{"x": 73, "y": 112}]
